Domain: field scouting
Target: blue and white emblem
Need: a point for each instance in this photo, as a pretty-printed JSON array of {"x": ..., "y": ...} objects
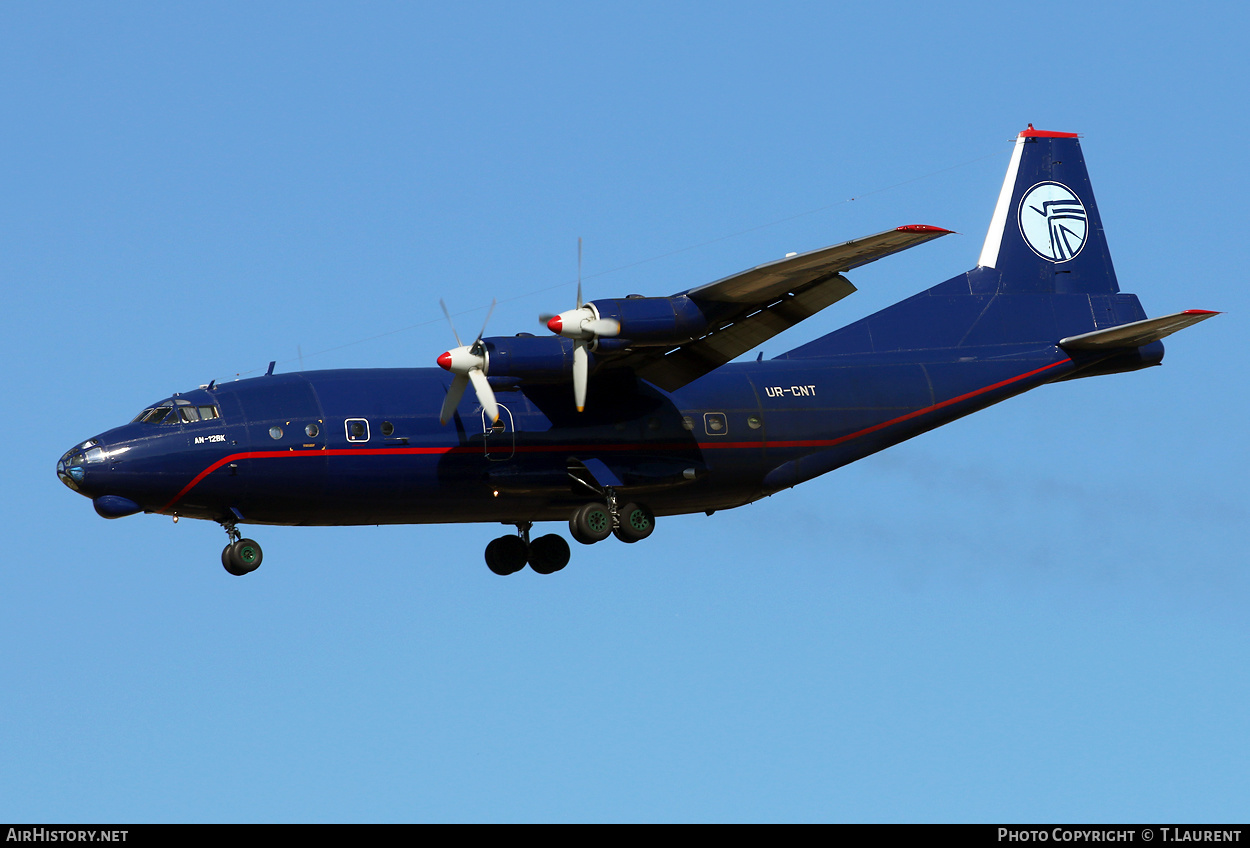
[{"x": 1053, "y": 221}]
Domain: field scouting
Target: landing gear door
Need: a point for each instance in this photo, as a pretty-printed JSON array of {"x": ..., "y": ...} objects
[{"x": 499, "y": 437}]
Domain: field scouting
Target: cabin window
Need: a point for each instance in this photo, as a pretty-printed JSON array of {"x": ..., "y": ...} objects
[
  {"x": 388, "y": 428},
  {"x": 312, "y": 430},
  {"x": 714, "y": 423},
  {"x": 275, "y": 432},
  {"x": 357, "y": 430},
  {"x": 754, "y": 422}
]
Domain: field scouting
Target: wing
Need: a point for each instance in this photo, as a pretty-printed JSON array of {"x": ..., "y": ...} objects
[
  {"x": 773, "y": 279},
  {"x": 769, "y": 298}
]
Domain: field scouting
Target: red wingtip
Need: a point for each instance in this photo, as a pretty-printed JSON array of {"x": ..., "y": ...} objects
[
  {"x": 444, "y": 361},
  {"x": 555, "y": 325},
  {"x": 923, "y": 228}
]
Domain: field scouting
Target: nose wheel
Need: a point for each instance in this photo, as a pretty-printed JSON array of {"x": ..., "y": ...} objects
[{"x": 240, "y": 556}]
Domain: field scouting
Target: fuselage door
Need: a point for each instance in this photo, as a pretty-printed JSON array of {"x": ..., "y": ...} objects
[{"x": 499, "y": 437}]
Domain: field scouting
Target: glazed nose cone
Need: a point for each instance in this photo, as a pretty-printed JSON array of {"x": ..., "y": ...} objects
[{"x": 71, "y": 468}]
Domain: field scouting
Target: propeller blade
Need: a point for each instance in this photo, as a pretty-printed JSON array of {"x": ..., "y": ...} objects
[
  {"x": 452, "y": 323},
  {"x": 580, "y": 368},
  {"x": 468, "y": 364},
  {"x": 606, "y": 327},
  {"x": 579, "y": 272},
  {"x": 489, "y": 312},
  {"x": 453, "y": 398},
  {"x": 485, "y": 395}
]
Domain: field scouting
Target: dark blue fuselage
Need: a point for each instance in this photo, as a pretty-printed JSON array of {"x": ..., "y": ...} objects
[
  {"x": 366, "y": 447},
  {"x": 736, "y": 435}
]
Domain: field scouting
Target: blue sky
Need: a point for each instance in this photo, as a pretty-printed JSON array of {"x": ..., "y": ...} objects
[{"x": 1036, "y": 613}]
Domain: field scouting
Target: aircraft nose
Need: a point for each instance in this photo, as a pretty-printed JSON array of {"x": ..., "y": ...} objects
[
  {"x": 71, "y": 467},
  {"x": 85, "y": 469},
  {"x": 85, "y": 466}
]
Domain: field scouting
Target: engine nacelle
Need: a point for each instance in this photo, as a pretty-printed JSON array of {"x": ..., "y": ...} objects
[
  {"x": 650, "y": 321},
  {"x": 542, "y": 359}
]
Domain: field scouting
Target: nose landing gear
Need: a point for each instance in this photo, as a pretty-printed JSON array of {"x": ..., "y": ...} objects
[{"x": 240, "y": 556}]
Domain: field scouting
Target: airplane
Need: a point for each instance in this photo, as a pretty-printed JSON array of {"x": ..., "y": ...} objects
[{"x": 633, "y": 407}]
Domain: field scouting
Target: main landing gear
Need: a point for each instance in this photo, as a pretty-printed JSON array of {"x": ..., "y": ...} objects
[
  {"x": 509, "y": 554},
  {"x": 590, "y": 523},
  {"x": 594, "y": 522},
  {"x": 240, "y": 556}
]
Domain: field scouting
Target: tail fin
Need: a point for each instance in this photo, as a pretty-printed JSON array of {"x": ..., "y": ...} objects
[
  {"x": 1046, "y": 235},
  {"x": 1044, "y": 274}
]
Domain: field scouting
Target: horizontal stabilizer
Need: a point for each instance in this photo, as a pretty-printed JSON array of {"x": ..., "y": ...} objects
[{"x": 1137, "y": 333}]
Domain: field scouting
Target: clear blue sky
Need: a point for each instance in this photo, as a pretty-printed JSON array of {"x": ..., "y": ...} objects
[{"x": 1037, "y": 613}]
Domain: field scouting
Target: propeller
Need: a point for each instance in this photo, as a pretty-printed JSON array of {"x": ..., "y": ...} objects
[
  {"x": 468, "y": 364},
  {"x": 584, "y": 326}
]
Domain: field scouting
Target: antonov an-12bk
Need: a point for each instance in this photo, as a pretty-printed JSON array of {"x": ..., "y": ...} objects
[{"x": 632, "y": 409}]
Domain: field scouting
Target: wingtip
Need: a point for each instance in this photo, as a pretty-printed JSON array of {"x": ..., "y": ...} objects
[{"x": 925, "y": 228}]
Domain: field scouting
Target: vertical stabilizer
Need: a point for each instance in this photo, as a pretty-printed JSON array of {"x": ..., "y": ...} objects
[
  {"x": 1046, "y": 234},
  {"x": 1044, "y": 273}
]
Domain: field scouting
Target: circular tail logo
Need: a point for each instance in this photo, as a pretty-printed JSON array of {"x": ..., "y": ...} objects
[{"x": 1053, "y": 221}]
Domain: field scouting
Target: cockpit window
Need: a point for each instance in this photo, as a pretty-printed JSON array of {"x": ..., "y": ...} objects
[
  {"x": 190, "y": 413},
  {"x": 187, "y": 413},
  {"x": 157, "y": 414}
]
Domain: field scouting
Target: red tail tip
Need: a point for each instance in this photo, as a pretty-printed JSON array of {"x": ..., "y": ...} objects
[
  {"x": 1032, "y": 133},
  {"x": 444, "y": 361}
]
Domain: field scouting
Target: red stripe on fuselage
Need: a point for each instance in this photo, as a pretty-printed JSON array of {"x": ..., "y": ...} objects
[{"x": 438, "y": 451}]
